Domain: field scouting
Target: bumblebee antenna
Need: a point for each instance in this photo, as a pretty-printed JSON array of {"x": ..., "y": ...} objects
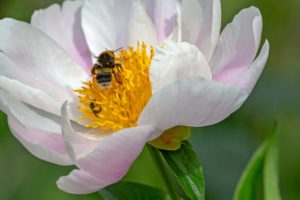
[{"x": 118, "y": 49}]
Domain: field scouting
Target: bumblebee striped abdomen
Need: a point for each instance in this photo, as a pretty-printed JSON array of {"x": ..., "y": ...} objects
[{"x": 104, "y": 76}]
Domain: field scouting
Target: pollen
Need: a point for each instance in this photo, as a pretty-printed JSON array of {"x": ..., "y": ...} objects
[{"x": 119, "y": 105}]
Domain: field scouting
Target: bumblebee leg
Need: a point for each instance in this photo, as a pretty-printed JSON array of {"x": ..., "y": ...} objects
[
  {"x": 118, "y": 77},
  {"x": 118, "y": 66},
  {"x": 93, "y": 70}
]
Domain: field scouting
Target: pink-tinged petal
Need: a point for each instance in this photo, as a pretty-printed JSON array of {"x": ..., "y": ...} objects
[
  {"x": 191, "y": 102},
  {"x": 63, "y": 25},
  {"x": 36, "y": 61},
  {"x": 101, "y": 160},
  {"x": 175, "y": 61},
  {"x": 201, "y": 22},
  {"x": 123, "y": 146},
  {"x": 108, "y": 162},
  {"x": 164, "y": 16},
  {"x": 44, "y": 145},
  {"x": 36, "y": 130},
  {"x": 80, "y": 182},
  {"x": 239, "y": 42},
  {"x": 111, "y": 24},
  {"x": 245, "y": 77}
]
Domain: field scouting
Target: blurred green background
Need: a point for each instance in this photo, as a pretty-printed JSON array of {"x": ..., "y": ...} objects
[{"x": 224, "y": 149}]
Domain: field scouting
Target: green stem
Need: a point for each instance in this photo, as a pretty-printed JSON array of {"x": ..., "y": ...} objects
[{"x": 157, "y": 158}]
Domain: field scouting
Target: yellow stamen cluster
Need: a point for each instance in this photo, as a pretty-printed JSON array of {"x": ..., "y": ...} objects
[{"x": 120, "y": 105}]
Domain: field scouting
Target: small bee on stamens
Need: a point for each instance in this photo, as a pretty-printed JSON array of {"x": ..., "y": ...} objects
[
  {"x": 96, "y": 108},
  {"x": 105, "y": 66}
]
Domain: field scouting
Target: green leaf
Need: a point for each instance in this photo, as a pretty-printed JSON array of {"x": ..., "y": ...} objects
[
  {"x": 187, "y": 169},
  {"x": 130, "y": 190},
  {"x": 263, "y": 167},
  {"x": 246, "y": 189},
  {"x": 271, "y": 180}
]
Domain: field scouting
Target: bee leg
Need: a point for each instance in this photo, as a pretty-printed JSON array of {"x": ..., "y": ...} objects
[
  {"x": 93, "y": 71},
  {"x": 118, "y": 77},
  {"x": 118, "y": 66}
]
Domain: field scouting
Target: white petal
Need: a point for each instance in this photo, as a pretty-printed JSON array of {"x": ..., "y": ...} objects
[
  {"x": 36, "y": 57},
  {"x": 78, "y": 144},
  {"x": 111, "y": 24},
  {"x": 141, "y": 28},
  {"x": 175, "y": 61},
  {"x": 239, "y": 42},
  {"x": 36, "y": 130},
  {"x": 163, "y": 14},
  {"x": 27, "y": 55},
  {"x": 103, "y": 161},
  {"x": 30, "y": 116},
  {"x": 246, "y": 77},
  {"x": 201, "y": 22},
  {"x": 191, "y": 102},
  {"x": 63, "y": 25},
  {"x": 30, "y": 95}
]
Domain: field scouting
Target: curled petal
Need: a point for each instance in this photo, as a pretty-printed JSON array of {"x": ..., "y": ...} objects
[
  {"x": 191, "y": 102},
  {"x": 106, "y": 161},
  {"x": 201, "y": 23},
  {"x": 80, "y": 182},
  {"x": 111, "y": 24},
  {"x": 245, "y": 78},
  {"x": 239, "y": 42},
  {"x": 38, "y": 131},
  {"x": 177, "y": 61},
  {"x": 63, "y": 25},
  {"x": 78, "y": 143}
]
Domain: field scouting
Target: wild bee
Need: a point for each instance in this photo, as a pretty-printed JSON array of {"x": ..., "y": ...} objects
[
  {"x": 105, "y": 66},
  {"x": 96, "y": 108}
]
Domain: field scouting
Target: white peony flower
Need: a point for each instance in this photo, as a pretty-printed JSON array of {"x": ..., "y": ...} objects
[{"x": 177, "y": 71}]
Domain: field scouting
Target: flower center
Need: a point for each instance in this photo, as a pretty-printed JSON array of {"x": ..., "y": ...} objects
[{"x": 118, "y": 106}]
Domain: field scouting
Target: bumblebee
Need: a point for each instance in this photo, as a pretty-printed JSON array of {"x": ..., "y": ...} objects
[{"x": 105, "y": 67}]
